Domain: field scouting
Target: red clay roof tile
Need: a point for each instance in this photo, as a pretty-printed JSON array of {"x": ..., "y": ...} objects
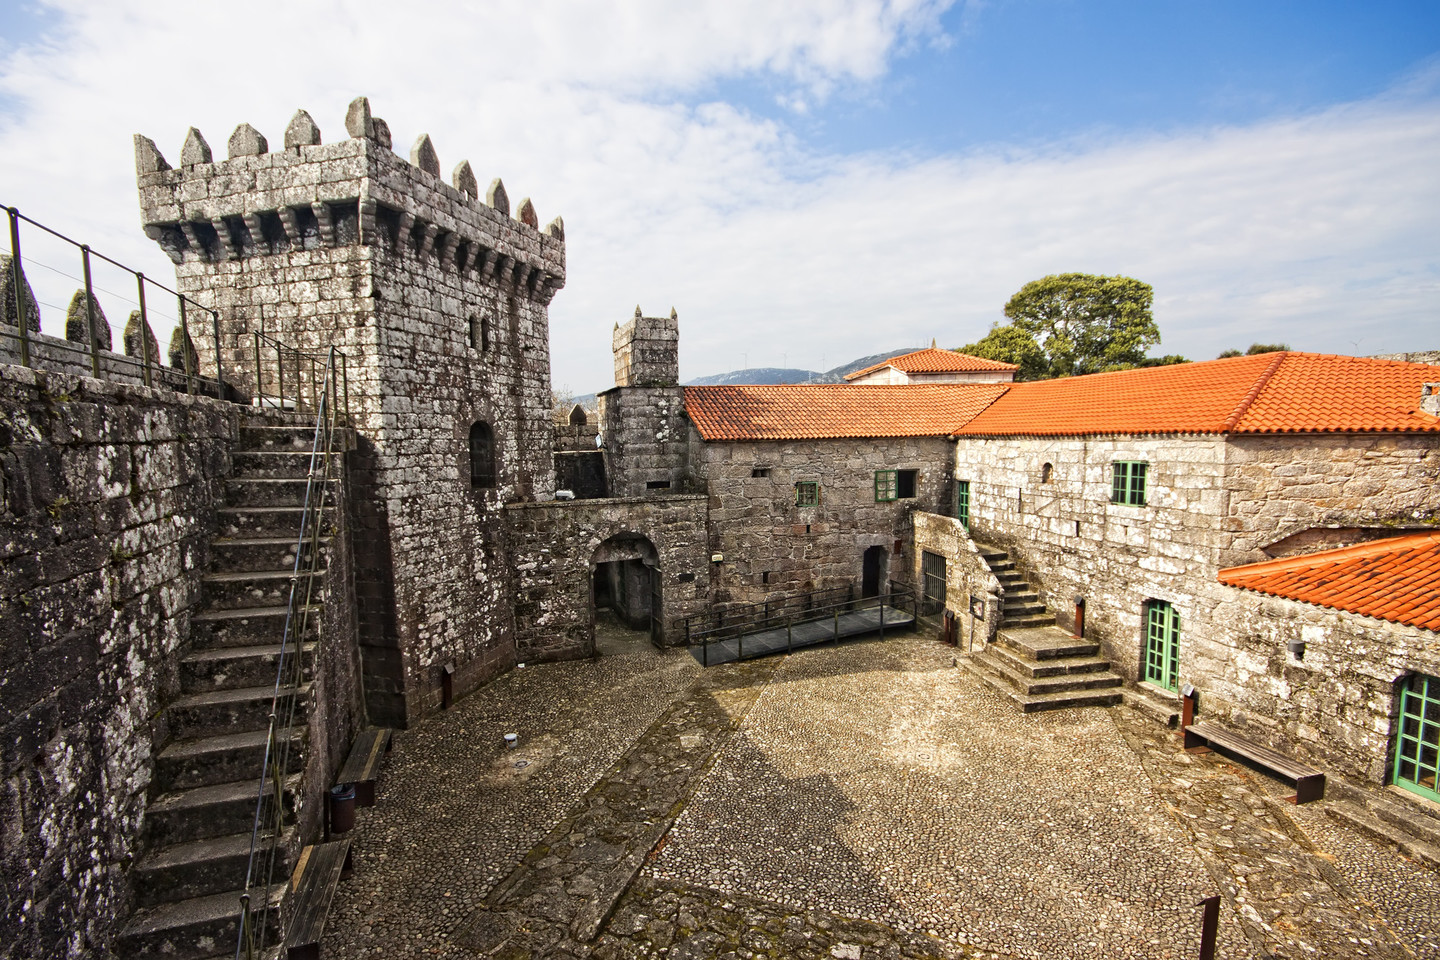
[
  {"x": 815, "y": 411},
  {"x": 1396, "y": 579},
  {"x": 1268, "y": 393},
  {"x": 935, "y": 360}
]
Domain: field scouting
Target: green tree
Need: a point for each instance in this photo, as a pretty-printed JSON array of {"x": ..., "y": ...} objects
[
  {"x": 1085, "y": 323},
  {"x": 1010, "y": 344},
  {"x": 1255, "y": 348}
]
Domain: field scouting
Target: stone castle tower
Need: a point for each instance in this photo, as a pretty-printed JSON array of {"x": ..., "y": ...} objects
[
  {"x": 642, "y": 418},
  {"x": 438, "y": 298}
]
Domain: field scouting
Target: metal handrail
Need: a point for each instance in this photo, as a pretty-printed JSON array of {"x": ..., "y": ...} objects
[
  {"x": 316, "y": 363},
  {"x": 269, "y": 822},
  {"x": 895, "y": 596},
  {"x": 148, "y": 365}
]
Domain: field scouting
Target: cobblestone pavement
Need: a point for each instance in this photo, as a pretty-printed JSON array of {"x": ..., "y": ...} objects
[{"x": 866, "y": 801}]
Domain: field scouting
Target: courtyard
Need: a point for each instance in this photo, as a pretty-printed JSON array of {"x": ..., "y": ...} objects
[{"x": 869, "y": 800}]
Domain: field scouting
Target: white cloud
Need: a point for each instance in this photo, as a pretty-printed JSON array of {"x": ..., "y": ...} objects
[{"x": 1317, "y": 230}]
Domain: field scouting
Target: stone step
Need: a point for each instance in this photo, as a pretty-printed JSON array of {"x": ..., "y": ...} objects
[
  {"x": 1036, "y": 686},
  {"x": 230, "y": 711},
  {"x": 221, "y": 668},
  {"x": 200, "y": 868},
  {"x": 273, "y": 463},
  {"x": 266, "y": 492},
  {"x": 254, "y": 589},
  {"x": 1029, "y": 621},
  {"x": 271, "y": 436},
  {"x": 261, "y": 521},
  {"x": 1010, "y": 610},
  {"x": 206, "y": 761},
  {"x": 1403, "y": 809},
  {"x": 194, "y": 929},
  {"x": 245, "y": 626},
  {"x": 1034, "y": 703},
  {"x": 1063, "y": 666},
  {"x": 1002, "y": 568},
  {"x": 1389, "y": 834},
  {"x": 1044, "y": 643},
  {"x": 1161, "y": 707},
  {"x": 201, "y": 813},
  {"x": 244, "y": 554}
]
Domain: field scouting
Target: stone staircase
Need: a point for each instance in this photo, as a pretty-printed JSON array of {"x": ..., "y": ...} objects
[
  {"x": 197, "y": 828},
  {"x": 1034, "y": 663},
  {"x": 1390, "y": 817}
]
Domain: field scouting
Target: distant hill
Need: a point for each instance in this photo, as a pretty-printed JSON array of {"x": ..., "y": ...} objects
[{"x": 777, "y": 375}]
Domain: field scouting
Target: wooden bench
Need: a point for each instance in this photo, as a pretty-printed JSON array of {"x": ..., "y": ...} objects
[
  {"x": 362, "y": 766},
  {"x": 320, "y": 869},
  {"x": 1309, "y": 782}
]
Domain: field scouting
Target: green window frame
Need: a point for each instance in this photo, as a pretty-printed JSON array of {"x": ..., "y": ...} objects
[
  {"x": 962, "y": 503},
  {"x": 807, "y": 493},
  {"x": 1417, "y": 743},
  {"x": 1162, "y": 645},
  {"x": 1128, "y": 482},
  {"x": 887, "y": 485}
]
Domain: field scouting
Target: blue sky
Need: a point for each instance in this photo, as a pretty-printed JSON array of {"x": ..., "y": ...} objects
[
  {"x": 1030, "y": 72},
  {"x": 1268, "y": 167}
]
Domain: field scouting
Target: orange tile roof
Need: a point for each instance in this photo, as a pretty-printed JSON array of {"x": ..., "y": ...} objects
[
  {"x": 935, "y": 360},
  {"x": 1284, "y": 392},
  {"x": 1396, "y": 579},
  {"x": 826, "y": 410}
]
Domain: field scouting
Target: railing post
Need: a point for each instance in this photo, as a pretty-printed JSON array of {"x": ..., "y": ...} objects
[
  {"x": 219, "y": 364},
  {"x": 144, "y": 332},
  {"x": 882, "y": 618},
  {"x": 90, "y": 312},
  {"x": 259, "y": 384},
  {"x": 837, "y": 628},
  {"x": 17, "y": 279},
  {"x": 189, "y": 360},
  {"x": 789, "y": 638},
  {"x": 280, "y": 376}
]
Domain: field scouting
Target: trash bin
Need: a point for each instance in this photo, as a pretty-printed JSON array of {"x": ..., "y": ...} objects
[{"x": 342, "y": 807}]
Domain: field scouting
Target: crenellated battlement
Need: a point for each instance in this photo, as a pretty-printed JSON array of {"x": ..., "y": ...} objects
[
  {"x": 647, "y": 351},
  {"x": 356, "y": 191}
]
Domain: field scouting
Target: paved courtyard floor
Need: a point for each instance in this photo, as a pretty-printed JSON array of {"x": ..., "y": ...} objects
[{"x": 871, "y": 800}]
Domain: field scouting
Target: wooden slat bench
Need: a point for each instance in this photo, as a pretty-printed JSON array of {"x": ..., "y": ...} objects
[
  {"x": 321, "y": 867},
  {"x": 362, "y": 766},
  {"x": 1309, "y": 782}
]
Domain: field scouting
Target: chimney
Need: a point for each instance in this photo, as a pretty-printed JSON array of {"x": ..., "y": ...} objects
[{"x": 1430, "y": 399}]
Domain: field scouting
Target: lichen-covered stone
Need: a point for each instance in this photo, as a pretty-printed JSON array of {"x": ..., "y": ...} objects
[
  {"x": 135, "y": 328},
  {"x": 7, "y": 292},
  {"x": 77, "y": 321}
]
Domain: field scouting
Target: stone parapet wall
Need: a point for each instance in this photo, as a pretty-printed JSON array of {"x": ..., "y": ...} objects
[
  {"x": 107, "y": 499},
  {"x": 758, "y": 528},
  {"x": 966, "y": 575},
  {"x": 554, "y": 547}
]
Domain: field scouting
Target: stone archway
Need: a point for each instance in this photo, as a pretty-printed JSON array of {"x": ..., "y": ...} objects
[{"x": 625, "y": 579}]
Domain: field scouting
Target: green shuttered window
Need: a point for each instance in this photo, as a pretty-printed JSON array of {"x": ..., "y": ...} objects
[{"x": 1127, "y": 484}]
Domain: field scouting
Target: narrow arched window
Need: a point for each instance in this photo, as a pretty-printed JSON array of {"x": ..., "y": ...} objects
[
  {"x": 1047, "y": 473},
  {"x": 482, "y": 455}
]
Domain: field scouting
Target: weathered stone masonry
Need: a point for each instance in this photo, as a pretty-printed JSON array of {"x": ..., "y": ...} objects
[
  {"x": 438, "y": 299},
  {"x": 1216, "y": 502},
  {"x": 107, "y": 499}
]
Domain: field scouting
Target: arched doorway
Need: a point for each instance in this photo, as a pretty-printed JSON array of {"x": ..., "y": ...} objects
[
  {"x": 625, "y": 580},
  {"x": 873, "y": 570}
]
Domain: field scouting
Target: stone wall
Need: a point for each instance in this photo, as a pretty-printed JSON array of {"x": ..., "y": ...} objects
[
  {"x": 555, "y": 547},
  {"x": 757, "y": 527},
  {"x": 1336, "y": 706},
  {"x": 438, "y": 300},
  {"x": 646, "y": 437},
  {"x": 1214, "y": 503},
  {"x": 107, "y": 497},
  {"x": 1068, "y": 539},
  {"x": 966, "y": 575}
]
